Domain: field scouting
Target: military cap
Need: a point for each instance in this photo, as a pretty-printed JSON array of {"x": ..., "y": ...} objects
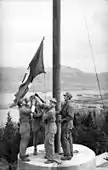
[
  {"x": 32, "y": 97},
  {"x": 68, "y": 95},
  {"x": 53, "y": 100},
  {"x": 26, "y": 100}
]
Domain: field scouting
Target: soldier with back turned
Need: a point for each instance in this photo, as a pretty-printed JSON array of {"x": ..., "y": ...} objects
[{"x": 24, "y": 111}]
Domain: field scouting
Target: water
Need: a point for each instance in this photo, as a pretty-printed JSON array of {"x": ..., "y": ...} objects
[{"x": 7, "y": 98}]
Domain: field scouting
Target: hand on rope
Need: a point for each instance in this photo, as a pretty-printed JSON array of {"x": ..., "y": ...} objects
[
  {"x": 40, "y": 98},
  {"x": 36, "y": 95}
]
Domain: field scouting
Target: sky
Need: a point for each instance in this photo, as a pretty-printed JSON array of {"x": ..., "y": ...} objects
[{"x": 23, "y": 23}]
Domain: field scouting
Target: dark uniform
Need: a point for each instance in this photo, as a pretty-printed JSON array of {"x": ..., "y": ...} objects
[
  {"x": 37, "y": 124},
  {"x": 24, "y": 129},
  {"x": 67, "y": 114}
]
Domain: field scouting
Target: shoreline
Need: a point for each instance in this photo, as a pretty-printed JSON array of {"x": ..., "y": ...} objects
[{"x": 80, "y": 97}]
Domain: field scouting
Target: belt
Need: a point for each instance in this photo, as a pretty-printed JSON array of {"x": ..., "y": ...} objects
[{"x": 24, "y": 121}]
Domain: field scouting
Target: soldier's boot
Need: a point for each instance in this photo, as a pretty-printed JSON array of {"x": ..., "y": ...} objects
[
  {"x": 35, "y": 151},
  {"x": 27, "y": 155},
  {"x": 48, "y": 161},
  {"x": 66, "y": 158},
  {"x": 24, "y": 158},
  {"x": 46, "y": 157},
  {"x": 52, "y": 161}
]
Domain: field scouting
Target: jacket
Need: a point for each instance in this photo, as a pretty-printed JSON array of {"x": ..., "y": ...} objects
[
  {"x": 67, "y": 113},
  {"x": 49, "y": 118},
  {"x": 24, "y": 114}
]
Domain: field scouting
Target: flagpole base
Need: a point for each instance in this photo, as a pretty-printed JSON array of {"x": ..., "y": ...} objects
[{"x": 83, "y": 159}]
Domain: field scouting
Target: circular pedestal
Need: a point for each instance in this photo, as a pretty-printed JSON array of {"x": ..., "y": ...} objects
[{"x": 83, "y": 159}]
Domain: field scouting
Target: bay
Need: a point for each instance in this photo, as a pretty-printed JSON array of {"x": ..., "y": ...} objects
[{"x": 7, "y": 98}]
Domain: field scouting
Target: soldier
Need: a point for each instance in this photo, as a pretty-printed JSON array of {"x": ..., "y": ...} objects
[
  {"x": 24, "y": 110},
  {"x": 50, "y": 130},
  {"x": 37, "y": 123},
  {"x": 67, "y": 116}
]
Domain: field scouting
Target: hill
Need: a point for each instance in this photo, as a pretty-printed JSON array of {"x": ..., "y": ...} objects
[{"x": 71, "y": 79}]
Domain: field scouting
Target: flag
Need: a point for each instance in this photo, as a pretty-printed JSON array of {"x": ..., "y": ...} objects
[{"x": 36, "y": 67}]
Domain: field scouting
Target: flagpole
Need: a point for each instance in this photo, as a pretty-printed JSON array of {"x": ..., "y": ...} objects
[
  {"x": 56, "y": 67},
  {"x": 43, "y": 38}
]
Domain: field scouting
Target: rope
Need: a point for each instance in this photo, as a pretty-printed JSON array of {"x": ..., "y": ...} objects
[
  {"x": 92, "y": 55},
  {"x": 45, "y": 85}
]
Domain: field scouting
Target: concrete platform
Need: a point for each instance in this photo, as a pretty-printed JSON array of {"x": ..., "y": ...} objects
[
  {"x": 83, "y": 160},
  {"x": 100, "y": 159},
  {"x": 101, "y": 163}
]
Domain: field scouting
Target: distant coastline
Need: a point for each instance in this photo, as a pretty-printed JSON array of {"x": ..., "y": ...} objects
[
  {"x": 87, "y": 98},
  {"x": 72, "y": 79}
]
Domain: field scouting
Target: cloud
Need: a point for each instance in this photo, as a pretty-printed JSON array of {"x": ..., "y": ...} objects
[
  {"x": 100, "y": 17},
  {"x": 24, "y": 23}
]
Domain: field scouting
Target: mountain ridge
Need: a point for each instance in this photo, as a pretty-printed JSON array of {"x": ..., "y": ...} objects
[{"x": 71, "y": 79}]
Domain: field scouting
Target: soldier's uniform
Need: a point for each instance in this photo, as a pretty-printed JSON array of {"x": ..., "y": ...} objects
[
  {"x": 67, "y": 114},
  {"x": 37, "y": 124},
  {"x": 24, "y": 130},
  {"x": 50, "y": 130}
]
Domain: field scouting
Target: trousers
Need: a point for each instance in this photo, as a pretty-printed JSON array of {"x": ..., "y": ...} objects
[
  {"x": 67, "y": 141},
  {"x": 37, "y": 125},
  {"x": 25, "y": 136},
  {"x": 49, "y": 145}
]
